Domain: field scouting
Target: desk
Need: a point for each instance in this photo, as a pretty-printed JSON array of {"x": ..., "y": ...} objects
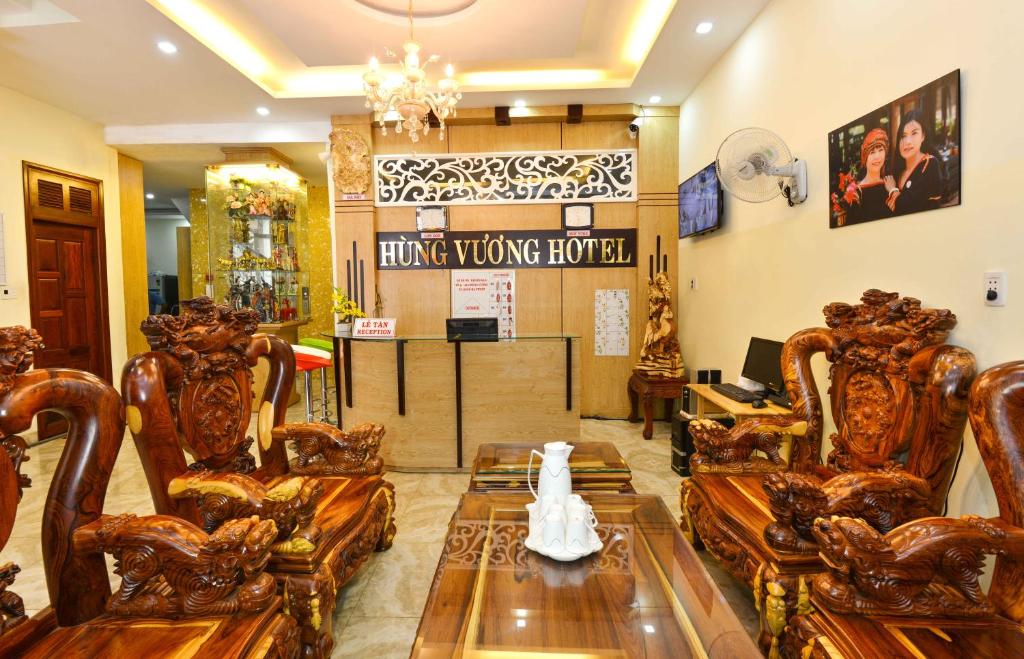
[
  {"x": 439, "y": 401},
  {"x": 710, "y": 401},
  {"x": 644, "y": 594},
  {"x": 593, "y": 465}
]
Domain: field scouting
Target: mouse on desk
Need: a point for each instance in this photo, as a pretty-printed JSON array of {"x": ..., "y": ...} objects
[{"x": 758, "y": 404}]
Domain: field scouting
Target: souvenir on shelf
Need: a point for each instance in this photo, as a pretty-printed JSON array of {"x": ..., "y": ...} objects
[{"x": 257, "y": 224}]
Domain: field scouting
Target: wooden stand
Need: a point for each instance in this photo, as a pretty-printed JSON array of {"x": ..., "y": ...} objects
[{"x": 642, "y": 387}]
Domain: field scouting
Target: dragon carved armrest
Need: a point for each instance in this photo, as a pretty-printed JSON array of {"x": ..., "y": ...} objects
[
  {"x": 12, "y": 608},
  {"x": 324, "y": 450},
  {"x": 291, "y": 504},
  {"x": 170, "y": 568},
  {"x": 16, "y": 447},
  {"x": 721, "y": 450},
  {"x": 884, "y": 499},
  {"x": 929, "y": 567}
]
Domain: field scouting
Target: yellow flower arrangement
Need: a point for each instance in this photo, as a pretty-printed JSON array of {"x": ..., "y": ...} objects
[{"x": 344, "y": 306}]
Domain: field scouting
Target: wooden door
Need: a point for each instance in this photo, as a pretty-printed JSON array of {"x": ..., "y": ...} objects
[{"x": 67, "y": 275}]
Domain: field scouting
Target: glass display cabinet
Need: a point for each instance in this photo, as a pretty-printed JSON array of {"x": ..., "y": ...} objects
[{"x": 257, "y": 221}]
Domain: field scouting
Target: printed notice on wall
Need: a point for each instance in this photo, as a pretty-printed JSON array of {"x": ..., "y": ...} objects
[
  {"x": 3, "y": 248},
  {"x": 486, "y": 294},
  {"x": 611, "y": 322}
]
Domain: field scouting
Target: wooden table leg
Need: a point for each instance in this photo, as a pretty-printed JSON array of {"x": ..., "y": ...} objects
[
  {"x": 633, "y": 402},
  {"x": 648, "y": 416}
]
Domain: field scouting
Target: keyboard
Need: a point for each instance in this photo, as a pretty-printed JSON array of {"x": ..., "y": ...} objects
[{"x": 735, "y": 392}]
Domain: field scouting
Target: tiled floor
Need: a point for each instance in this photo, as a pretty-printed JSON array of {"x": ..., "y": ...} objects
[{"x": 378, "y": 611}]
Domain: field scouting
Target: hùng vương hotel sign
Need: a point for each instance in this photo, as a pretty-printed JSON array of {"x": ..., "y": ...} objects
[{"x": 596, "y": 248}]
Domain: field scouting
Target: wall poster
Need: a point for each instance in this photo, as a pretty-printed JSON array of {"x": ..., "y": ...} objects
[
  {"x": 486, "y": 294},
  {"x": 902, "y": 158},
  {"x": 611, "y": 322}
]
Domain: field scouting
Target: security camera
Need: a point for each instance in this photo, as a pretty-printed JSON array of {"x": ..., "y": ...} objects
[{"x": 634, "y": 128}]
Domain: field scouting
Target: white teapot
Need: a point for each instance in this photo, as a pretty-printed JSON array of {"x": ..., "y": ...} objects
[{"x": 562, "y": 524}]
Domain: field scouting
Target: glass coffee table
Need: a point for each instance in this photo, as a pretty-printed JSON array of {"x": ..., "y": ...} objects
[
  {"x": 645, "y": 594},
  {"x": 595, "y": 466}
]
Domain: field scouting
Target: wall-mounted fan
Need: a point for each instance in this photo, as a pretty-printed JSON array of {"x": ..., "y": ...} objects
[{"x": 754, "y": 164}]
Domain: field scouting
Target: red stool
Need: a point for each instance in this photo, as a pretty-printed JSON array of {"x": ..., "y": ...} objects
[{"x": 307, "y": 360}]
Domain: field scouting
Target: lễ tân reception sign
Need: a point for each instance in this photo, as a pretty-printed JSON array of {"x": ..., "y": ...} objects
[{"x": 596, "y": 248}]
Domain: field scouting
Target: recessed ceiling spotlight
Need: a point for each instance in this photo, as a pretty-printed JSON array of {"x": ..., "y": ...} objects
[
  {"x": 519, "y": 103},
  {"x": 655, "y": 99},
  {"x": 262, "y": 111},
  {"x": 167, "y": 47},
  {"x": 150, "y": 195},
  {"x": 704, "y": 27}
]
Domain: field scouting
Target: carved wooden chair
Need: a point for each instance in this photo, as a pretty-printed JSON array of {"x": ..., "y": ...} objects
[
  {"x": 181, "y": 589},
  {"x": 899, "y": 403},
  {"x": 193, "y": 393},
  {"x": 915, "y": 591}
]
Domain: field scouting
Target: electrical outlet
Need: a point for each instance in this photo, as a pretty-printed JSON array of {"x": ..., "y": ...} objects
[
  {"x": 693, "y": 283},
  {"x": 995, "y": 289},
  {"x": 7, "y": 292}
]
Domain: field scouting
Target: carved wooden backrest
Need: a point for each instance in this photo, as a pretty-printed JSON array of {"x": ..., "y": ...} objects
[
  {"x": 194, "y": 392},
  {"x": 997, "y": 418},
  {"x": 898, "y": 392},
  {"x": 77, "y": 583}
]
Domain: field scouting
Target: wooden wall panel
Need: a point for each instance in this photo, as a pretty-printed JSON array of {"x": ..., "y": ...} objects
[
  {"x": 597, "y": 135},
  {"x": 659, "y": 154},
  {"x": 419, "y": 299},
  {"x": 488, "y": 139},
  {"x": 133, "y": 251},
  {"x": 604, "y": 389}
]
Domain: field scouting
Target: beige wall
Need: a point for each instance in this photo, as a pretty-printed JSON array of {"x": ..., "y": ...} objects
[
  {"x": 803, "y": 69},
  {"x": 41, "y": 133}
]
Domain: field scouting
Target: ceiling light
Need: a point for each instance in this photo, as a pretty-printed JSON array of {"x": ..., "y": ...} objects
[
  {"x": 150, "y": 195},
  {"x": 519, "y": 103},
  {"x": 412, "y": 96},
  {"x": 262, "y": 111},
  {"x": 167, "y": 47},
  {"x": 704, "y": 28},
  {"x": 655, "y": 99}
]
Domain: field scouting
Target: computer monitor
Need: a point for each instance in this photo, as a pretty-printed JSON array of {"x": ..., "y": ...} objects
[{"x": 764, "y": 363}]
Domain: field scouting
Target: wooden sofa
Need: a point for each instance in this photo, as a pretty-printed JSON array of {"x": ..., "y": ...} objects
[
  {"x": 193, "y": 393},
  {"x": 181, "y": 589},
  {"x": 914, "y": 591},
  {"x": 899, "y": 403}
]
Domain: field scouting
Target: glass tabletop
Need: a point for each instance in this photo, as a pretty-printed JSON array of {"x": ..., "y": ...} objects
[
  {"x": 442, "y": 337},
  {"x": 644, "y": 594},
  {"x": 514, "y": 459}
]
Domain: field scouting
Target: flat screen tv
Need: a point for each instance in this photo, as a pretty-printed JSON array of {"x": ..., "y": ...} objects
[{"x": 700, "y": 203}]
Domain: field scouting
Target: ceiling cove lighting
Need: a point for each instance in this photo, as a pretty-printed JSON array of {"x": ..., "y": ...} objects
[
  {"x": 654, "y": 99},
  {"x": 409, "y": 94},
  {"x": 645, "y": 29},
  {"x": 167, "y": 47},
  {"x": 704, "y": 27},
  {"x": 262, "y": 111}
]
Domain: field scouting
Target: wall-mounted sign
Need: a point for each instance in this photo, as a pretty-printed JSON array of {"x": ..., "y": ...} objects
[
  {"x": 601, "y": 248},
  {"x": 373, "y": 328},
  {"x": 486, "y": 294},
  {"x": 526, "y": 177}
]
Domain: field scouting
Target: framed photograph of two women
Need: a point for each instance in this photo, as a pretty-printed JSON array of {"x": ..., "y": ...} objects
[{"x": 902, "y": 158}]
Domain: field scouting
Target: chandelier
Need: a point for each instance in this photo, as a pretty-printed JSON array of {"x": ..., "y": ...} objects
[{"x": 411, "y": 99}]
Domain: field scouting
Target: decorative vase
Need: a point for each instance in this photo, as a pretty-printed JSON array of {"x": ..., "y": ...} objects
[{"x": 343, "y": 328}]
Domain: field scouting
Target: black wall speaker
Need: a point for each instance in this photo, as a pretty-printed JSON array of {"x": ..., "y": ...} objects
[
  {"x": 575, "y": 114},
  {"x": 501, "y": 117}
]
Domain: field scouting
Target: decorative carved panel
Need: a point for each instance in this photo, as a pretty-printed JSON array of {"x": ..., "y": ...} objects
[
  {"x": 505, "y": 178},
  {"x": 350, "y": 157}
]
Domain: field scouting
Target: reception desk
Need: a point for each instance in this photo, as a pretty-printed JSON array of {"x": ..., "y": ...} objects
[{"x": 439, "y": 400}]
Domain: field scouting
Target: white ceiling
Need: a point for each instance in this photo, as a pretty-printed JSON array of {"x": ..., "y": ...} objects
[{"x": 105, "y": 66}]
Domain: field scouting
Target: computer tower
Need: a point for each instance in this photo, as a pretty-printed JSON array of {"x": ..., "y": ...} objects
[{"x": 682, "y": 440}]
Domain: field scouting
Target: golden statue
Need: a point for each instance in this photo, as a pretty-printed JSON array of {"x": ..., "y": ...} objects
[{"x": 659, "y": 355}]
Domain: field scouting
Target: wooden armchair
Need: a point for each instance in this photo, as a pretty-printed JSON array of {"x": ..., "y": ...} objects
[
  {"x": 193, "y": 394},
  {"x": 915, "y": 591},
  {"x": 181, "y": 589},
  {"x": 899, "y": 403}
]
